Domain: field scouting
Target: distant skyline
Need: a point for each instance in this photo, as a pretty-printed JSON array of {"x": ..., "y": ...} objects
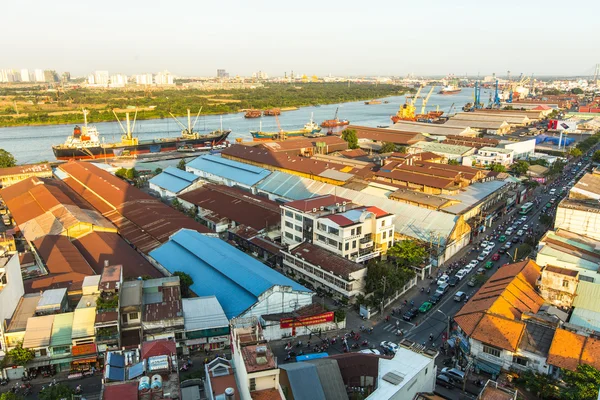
[{"x": 338, "y": 37}]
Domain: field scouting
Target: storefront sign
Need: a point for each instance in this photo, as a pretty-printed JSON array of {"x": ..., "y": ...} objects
[
  {"x": 217, "y": 339},
  {"x": 83, "y": 349},
  {"x": 367, "y": 256},
  {"x": 306, "y": 321},
  {"x": 193, "y": 342}
]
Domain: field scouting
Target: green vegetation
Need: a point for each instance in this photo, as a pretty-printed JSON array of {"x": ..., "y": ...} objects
[
  {"x": 540, "y": 161},
  {"x": 130, "y": 173},
  {"x": 395, "y": 278},
  {"x": 176, "y": 204},
  {"x": 596, "y": 156},
  {"x": 575, "y": 152},
  {"x": 19, "y": 355},
  {"x": 339, "y": 315},
  {"x": 56, "y": 392},
  {"x": 387, "y": 147},
  {"x": 407, "y": 253},
  {"x": 581, "y": 384},
  {"x": 10, "y": 396},
  {"x": 7, "y": 159},
  {"x": 453, "y": 162},
  {"x": 349, "y": 135},
  {"x": 577, "y": 90},
  {"x": 497, "y": 168},
  {"x": 540, "y": 385},
  {"x": 556, "y": 169},
  {"x": 185, "y": 281},
  {"x": 588, "y": 143},
  {"x": 520, "y": 167},
  {"x": 546, "y": 219},
  {"x": 39, "y": 107},
  {"x": 181, "y": 164},
  {"x": 105, "y": 304}
]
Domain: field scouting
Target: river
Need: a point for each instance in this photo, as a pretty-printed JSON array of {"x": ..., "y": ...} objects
[{"x": 31, "y": 144}]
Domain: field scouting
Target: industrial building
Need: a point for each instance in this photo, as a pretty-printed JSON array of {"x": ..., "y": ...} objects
[
  {"x": 448, "y": 151},
  {"x": 172, "y": 182}
]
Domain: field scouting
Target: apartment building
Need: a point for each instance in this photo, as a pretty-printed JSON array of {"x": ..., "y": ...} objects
[{"x": 493, "y": 155}]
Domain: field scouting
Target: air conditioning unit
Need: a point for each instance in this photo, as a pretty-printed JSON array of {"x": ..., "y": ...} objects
[{"x": 314, "y": 210}]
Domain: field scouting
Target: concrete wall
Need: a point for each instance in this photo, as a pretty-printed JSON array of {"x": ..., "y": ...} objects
[
  {"x": 278, "y": 300},
  {"x": 10, "y": 294},
  {"x": 424, "y": 381},
  {"x": 536, "y": 362},
  {"x": 585, "y": 223}
]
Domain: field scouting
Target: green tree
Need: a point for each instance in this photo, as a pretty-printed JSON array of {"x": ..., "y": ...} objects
[
  {"x": 596, "y": 156},
  {"x": 581, "y": 384},
  {"x": 575, "y": 152},
  {"x": 546, "y": 219},
  {"x": 158, "y": 171},
  {"x": 339, "y": 315},
  {"x": 387, "y": 147},
  {"x": 530, "y": 184},
  {"x": 497, "y": 168},
  {"x": 577, "y": 90},
  {"x": 181, "y": 164},
  {"x": 520, "y": 167},
  {"x": 19, "y": 355},
  {"x": 395, "y": 278},
  {"x": 185, "y": 281},
  {"x": 176, "y": 204},
  {"x": 349, "y": 135},
  {"x": 131, "y": 174},
  {"x": 10, "y": 396},
  {"x": 56, "y": 392},
  {"x": 541, "y": 385},
  {"x": 401, "y": 149},
  {"x": 121, "y": 173},
  {"x": 192, "y": 211},
  {"x": 453, "y": 162},
  {"x": 407, "y": 253},
  {"x": 6, "y": 159}
]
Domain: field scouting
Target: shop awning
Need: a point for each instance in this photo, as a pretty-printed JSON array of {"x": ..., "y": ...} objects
[
  {"x": 61, "y": 360},
  {"x": 38, "y": 363},
  {"x": 488, "y": 367},
  {"x": 84, "y": 360}
]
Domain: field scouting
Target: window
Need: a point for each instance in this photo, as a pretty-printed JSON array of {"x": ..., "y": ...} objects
[
  {"x": 321, "y": 238},
  {"x": 520, "y": 360},
  {"x": 334, "y": 231},
  {"x": 299, "y": 217},
  {"x": 178, "y": 335},
  {"x": 354, "y": 244},
  {"x": 347, "y": 246},
  {"x": 321, "y": 227},
  {"x": 352, "y": 232},
  {"x": 289, "y": 214},
  {"x": 43, "y": 353},
  {"x": 384, "y": 234},
  {"x": 298, "y": 228},
  {"x": 133, "y": 315},
  {"x": 491, "y": 350},
  {"x": 289, "y": 235},
  {"x": 298, "y": 239},
  {"x": 124, "y": 318},
  {"x": 426, "y": 370},
  {"x": 359, "y": 230},
  {"x": 383, "y": 222},
  {"x": 288, "y": 224},
  {"x": 586, "y": 278},
  {"x": 252, "y": 384},
  {"x": 565, "y": 283}
]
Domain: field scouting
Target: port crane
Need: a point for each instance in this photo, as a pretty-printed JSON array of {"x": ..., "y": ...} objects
[
  {"x": 425, "y": 100},
  {"x": 187, "y": 130},
  {"x": 407, "y": 110}
]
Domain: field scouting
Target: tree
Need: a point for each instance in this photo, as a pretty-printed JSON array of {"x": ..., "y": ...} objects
[
  {"x": 575, "y": 152},
  {"x": 121, "y": 173},
  {"x": 19, "y": 355},
  {"x": 181, "y": 164},
  {"x": 577, "y": 90},
  {"x": 453, "y": 162},
  {"x": 581, "y": 384},
  {"x": 6, "y": 159},
  {"x": 541, "y": 385},
  {"x": 546, "y": 219},
  {"x": 520, "y": 167},
  {"x": 387, "y": 147},
  {"x": 10, "y": 396},
  {"x": 349, "y": 135},
  {"x": 185, "y": 282},
  {"x": 407, "y": 253},
  {"x": 56, "y": 392},
  {"x": 131, "y": 174},
  {"x": 158, "y": 171},
  {"x": 596, "y": 156},
  {"x": 530, "y": 184},
  {"x": 176, "y": 204},
  {"x": 395, "y": 278},
  {"x": 401, "y": 149},
  {"x": 497, "y": 168}
]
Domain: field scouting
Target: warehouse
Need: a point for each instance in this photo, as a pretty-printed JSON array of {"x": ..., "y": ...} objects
[
  {"x": 449, "y": 151},
  {"x": 432, "y": 129},
  {"x": 481, "y": 125}
]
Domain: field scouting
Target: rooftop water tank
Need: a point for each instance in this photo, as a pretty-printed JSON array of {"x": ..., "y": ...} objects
[
  {"x": 144, "y": 383},
  {"x": 156, "y": 382}
]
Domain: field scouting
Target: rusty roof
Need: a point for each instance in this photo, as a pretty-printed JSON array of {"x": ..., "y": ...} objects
[
  {"x": 299, "y": 144},
  {"x": 493, "y": 314},
  {"x": 66, "y": 266},
  {"x": 386, "y": 135},
  {"x": 265, "y": 394},
  {"x": 97, "y": 247},
  {"x": 144, "y": 221},
  {"x": 120, "y": 391},
  {"x": 570, "y": 349},
  {"x": 308, "y": 205},
  {"x": 418, "y": 179},
  {"x": 561, "y": 271},
  {"x": 169, "y": 308},
  {"x": 26, "y": 169},
  {"x": 325, "y": 260},
  {"x": 236, "y": 205},
  {"x": 159, "y": 347},
  {"x": 104, "y": 317},
  {"x": 110, "y": 277},
  {"x": 251, "y": 356}
]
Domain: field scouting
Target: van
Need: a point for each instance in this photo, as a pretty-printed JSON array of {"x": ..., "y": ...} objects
[
  {"x": 443, "y": 288},
  {"x": 460, "y": 296}
]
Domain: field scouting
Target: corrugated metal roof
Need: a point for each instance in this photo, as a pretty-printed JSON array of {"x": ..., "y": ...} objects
[
  {"x": 229, "y": 169},
  {"x": 432, "y": 129},
  {"x": 62, "y": 329},
  {"x": 304, "y": 381},
  {"x": 212, "y": 264},
  {"x": 331, "y": 378},
  {"x": 473, "y": 194},
  {"x": 203, "y": 313},
  {"x": 174, "y": 180},
  {"x": 38, "y": 331},
  {"x": 84, "y": 317},
  {"x": 51, "y": 298},
  {"x": 586, "y": 318},
  {"x": 441, "y": 148},
  {"x": 412, "y": 221},
  {"x": 587, "y": 296}
]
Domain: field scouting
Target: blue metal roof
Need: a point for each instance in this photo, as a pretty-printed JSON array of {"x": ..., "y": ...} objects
[
  {"x": 229, "y": 169},
  {"x": 116, "y": 360},
  {"x": 135, "y": 370},
  {"x": 219, "y": 269},
  {"x": 115, "y": 373},
  {"x": 173, "y": 179}
]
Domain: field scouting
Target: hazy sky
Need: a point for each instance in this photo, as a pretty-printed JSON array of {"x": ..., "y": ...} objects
[{"x": 312, "y": 37}]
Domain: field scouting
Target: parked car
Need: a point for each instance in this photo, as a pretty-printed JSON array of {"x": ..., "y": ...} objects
[
  {"x": 393, "y": 347},
  {"x": 502, "y": 239},
  {"x": 520, "y": 232},
  {"x": 502, "y": 250},
  {"x": 442, "y": 289},
  {"x": 473, "y": 263},
  {"x": 371, "y": 351},
  {"x": 481, "y": 257},
  {"x": 444, "y": 381},
  {"x": 410, "y": 314},
  {"x": 468, "y": 268},
  {"x": 472, "y": 282},
  {"x": 491, "y": 245},
  {"x": 461, "y": 274},
  {"x": 525, "y": 227},
  {"x": 460, "y": 296},
  {"x": 496, "y": 257},
  {"x": 435, "y": 298},
  {"x": 489, "y": 265},
  {"x": 523, "y": 219},
  {"x": 426, "y": 306},
  {"x": 443, "y": 279},
  {"x": 509, "y": 231},
  {"x": 454, "y": 373},
  {"x": 484, "y": 244},
  {"x": 481, "y": 271},
  {"x": 453, "y": 281}
]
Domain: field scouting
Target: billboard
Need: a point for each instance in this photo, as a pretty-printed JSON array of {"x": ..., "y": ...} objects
[
  {"x": 306, "y": 321},
  {"x": 566, "y": 126}
]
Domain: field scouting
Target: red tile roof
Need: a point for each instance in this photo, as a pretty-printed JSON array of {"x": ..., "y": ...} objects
[
  {"x": 377, "y": 211},
  {"x": 265, "y": 394},
  {"x": 316, "y": 202},
  {"x": 340, "y": 220},
  {"x": 493, "y": 314},
  {"x": 96, "y": 247},
  {"x": 570, "y": 349},
  {"x": 236, "y": 205},
  {"x": 160, "y": 347},
  {"x": 120, "y": 391}
]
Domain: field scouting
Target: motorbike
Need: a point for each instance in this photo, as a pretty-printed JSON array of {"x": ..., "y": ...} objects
[
  {"x": 448, "y": 362},
  {"x": 364, "y": 343},
  {"x": 4, "y": 381},
  {"x": 354, "y": 346}
]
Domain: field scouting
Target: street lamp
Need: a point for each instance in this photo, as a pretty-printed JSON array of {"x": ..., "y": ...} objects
[{"x": 448, "y": 324}]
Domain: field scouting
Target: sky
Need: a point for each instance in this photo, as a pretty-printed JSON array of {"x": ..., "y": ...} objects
[{"x": 343, "y": 38}]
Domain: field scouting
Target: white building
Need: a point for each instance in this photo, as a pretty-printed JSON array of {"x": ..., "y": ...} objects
[
  {"x": 411, "y": 371},
  {"x": 163, "y": 78},
  {"x": 24, "y": 75},
  {"x": 118, "y": 80},
  {"x": 337, "y": 225},
  {"x": 144, "y": 79},
  {"x": 11, "y": 290},
  {"x": 101, "y": 78},
  {"x": 522, "y": 149},
  {"x": 580, "y": 211},
  {"x": 39, "y": 75},
  {"x": 494, "y": 155}
]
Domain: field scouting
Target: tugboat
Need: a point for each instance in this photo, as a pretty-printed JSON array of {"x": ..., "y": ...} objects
[
  {"x": 332, "y": 123},
  {"x": 253, "y": 114},
  {"x": 371, "y": 102},
  {"x": 85, "y": 142}
]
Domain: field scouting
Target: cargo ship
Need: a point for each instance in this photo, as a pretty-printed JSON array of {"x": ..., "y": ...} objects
[
  {"x": 309, "y": 129},
  {"x": 332, "y": 123},
  {"x": 253, "y": 114},
  {"x": 450, "y": 89},
  {"x": 85, "y": 142},
  {"x": 371, "y": 102},
  {"x": 271, "y": 112}
]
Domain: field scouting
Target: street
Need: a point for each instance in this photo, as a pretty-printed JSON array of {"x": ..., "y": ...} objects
[{"x": 91, "y": 386}]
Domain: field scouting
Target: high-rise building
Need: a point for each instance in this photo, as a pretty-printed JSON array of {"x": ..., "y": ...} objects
[
  {"x": 164, "y": 78},
  {"x": 50, "y": 76},
  {"x": 118, "y": 80},
  {"x": 91, "y": 79},
  {"x": 260, "y": 75},
  {"x": 221, "y": 73},
  {"x": 143, "y": 79},
  {"x": 39, "y": 75},
  {"x": 101, "y": 77},
  {"x": 24, "y": 75},
  {"x": 66, "y": 76}
]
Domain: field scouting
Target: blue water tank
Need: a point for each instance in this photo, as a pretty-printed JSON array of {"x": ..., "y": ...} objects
[
  {"x": 144, "y": 383},
  {"x": 156, "y": 382}
]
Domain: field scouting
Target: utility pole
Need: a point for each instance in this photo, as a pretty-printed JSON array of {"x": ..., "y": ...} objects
[{"x": 384, "y": 281}]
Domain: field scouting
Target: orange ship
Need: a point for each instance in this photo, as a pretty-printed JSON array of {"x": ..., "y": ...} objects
[
  {"x": 271, "y": 112},
  {"x": 332, "y": 123},
  {"x": 253, "y": 114}
]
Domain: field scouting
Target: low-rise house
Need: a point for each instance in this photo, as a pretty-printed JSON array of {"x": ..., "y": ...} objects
[
  {"x": 60, "y": 341},
  {"x": 10, "y": 176},
  {"x": 311, "y": 319},
  {"x": 449, "y": 151},
  {"x": 251, "y": 241},
  {"x": 487, "y": 156},
  {"x": 130, "y": 309},
  {"x": 15, "y": 332},
  {"x": 570, "y": 349},
  {"x": 107, "y": 319},
  {"x": 37, "y": 339},
  {"x": 53, "y": 301},
  {"x": 586, "y": 311},
  {"x": 205, "y": 325},
  {"x": 162, "y": 310},
  {"x": 83, "y": 335},
  {"x": 172, "y": 182},
  {"x": 11, "y": 291},
  {"x": 558, "y": 285},
  {"x": 220, "y": 380}
]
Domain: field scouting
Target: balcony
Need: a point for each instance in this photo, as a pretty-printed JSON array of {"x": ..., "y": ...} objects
[
  {"x": 107, "y": 335},
  {"x": 365, "y": 245}
]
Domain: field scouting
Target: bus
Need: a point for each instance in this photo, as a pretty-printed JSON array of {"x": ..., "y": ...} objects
[
  {"x": 525, "y": 208},
  {"x": 312, "y": 356}
]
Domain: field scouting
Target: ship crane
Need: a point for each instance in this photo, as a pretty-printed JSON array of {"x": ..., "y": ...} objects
[
  {"x": 189, "y": 130},
  {"x": 426, "y": 99}
]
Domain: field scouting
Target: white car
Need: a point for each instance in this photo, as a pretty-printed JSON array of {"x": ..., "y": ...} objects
[
  {"x": 509, "y": 232},
  {"x": 443, "y": 279},
  {"x": 371, "y": 351},
  {"x": 486, "y": 252},
  {"x": 461, "y": 274},
  {"x": 484, "y": 244},
  {"x": 473, "y": 263},
  {"x": 468, "y": 268},
  {"x": 520, "y": 232},
  {"x": 482, "y": 256},
  {"x": 390, "y": 346},
  {"x": 523, "y": 219}
]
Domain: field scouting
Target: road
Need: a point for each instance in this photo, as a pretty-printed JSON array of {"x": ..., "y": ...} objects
[{"x": 91, "y": 386}]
